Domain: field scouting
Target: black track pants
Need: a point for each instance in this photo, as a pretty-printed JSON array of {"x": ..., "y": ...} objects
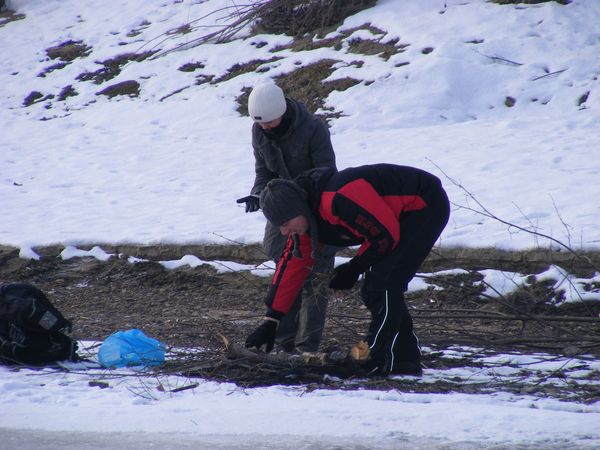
[{"x": 390, "y": 336}]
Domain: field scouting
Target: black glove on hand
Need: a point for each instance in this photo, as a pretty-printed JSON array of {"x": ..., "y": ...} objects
[
  {"x": 264, "y": 334},
  {"x": 252, "y": 202},
  {"x": 345, "y": 276}
]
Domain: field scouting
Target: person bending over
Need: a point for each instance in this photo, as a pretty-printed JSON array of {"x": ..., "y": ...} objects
[{"x": 395, "y": 213}]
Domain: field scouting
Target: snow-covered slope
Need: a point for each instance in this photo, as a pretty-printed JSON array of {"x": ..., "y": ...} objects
[{"x": 501, "y": 102}]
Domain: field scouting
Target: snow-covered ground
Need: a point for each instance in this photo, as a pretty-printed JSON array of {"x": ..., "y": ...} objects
[
  {"x": 109, "y": 407},
  {"x": 167, "y": 166}
]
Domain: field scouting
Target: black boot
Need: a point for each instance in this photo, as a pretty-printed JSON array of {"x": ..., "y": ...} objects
[{"x": 393, "y": 345}]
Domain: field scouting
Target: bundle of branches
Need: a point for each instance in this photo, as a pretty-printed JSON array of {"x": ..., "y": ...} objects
[
  {"x": 291, "y": 17},
  {"x": 298, "y": 17},
  {"x": 250, "y": 369}
]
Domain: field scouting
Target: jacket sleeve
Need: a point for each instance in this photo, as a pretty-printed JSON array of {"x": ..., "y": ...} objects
[
  {"x": 290, "y": 274},
  {"x": 359, "y": 208},
  {"x": 322, "y": 153},
  {"x": 262, "y": 174}
]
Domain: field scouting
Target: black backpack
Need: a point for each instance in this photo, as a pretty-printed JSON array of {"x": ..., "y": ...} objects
[{"x": 32, "y": 331}]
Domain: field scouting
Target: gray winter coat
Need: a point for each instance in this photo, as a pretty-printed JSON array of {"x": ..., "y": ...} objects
[{"x": 305, "y": 145}]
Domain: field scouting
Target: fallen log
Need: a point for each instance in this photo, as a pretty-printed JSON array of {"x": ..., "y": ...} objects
[
  {"x": 249, "y": 368},
  {"x": 337, "y": 363}
]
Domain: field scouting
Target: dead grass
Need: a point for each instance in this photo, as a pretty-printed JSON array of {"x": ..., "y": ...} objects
[
  {"x": 182, "y": 29},
  {"x": 137, "y": 31},
  {"x": 192, "y": 306},
  {"x": 375, "y": 46},
  {"x": 68, "y": 51},
  {"x": 65, "y": 52},
  {"x": 191, "y": 67},
  {"x": 48, "y": 70},
  {"x": 66, "y": 92},
  {"x": 8, "y": 16},
  {"x": 300, "y": 17},
  {"x": 247, "y": 67},
  {"x": 129, "y": 88},
  {"x": 33, "y": 97},
  {"x": 113, "y": 66}
]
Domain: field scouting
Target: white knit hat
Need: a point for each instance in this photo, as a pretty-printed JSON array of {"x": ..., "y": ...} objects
[{"x": 266, "y": 102}]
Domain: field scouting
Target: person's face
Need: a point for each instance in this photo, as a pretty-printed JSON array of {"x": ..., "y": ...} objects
[
  {"x": 298, "y": 225},
  {"x": 270, "y": 125}
]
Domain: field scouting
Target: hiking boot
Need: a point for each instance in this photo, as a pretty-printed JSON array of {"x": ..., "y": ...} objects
[
  {"x": 407, "y": 368},
  {"x": 287, "y": 347},
  {"x": 382, "y": 363}
]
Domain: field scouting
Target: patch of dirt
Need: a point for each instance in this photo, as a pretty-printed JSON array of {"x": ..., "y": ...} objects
[
  {"x": 8, "y": 15},
  {"x": 240, "y": 69},
  {"x": 128, "y": 87},
  {"x": 66, "y": 92},
  {"x": 65, "y": 52},
  {"x": 33, "y": 97},
  {"x": 68, "y": 51},
  {"x": 188, "y": 305},
  {"x": 137, "y": 31},
  {"x": 113, "y": 66},
  {"x": 360, "y": 46},
  {"x": 191, "y": 66}
]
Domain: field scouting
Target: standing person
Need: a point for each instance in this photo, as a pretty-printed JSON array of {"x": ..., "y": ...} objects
[
  {"x": 288, "y": 140},
  {"x": 395, "y": 213}
]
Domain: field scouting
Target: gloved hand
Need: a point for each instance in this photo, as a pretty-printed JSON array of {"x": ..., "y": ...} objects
[
  {"x": 264, "y": 334},
  {"x": 252, "y": 202},
  {"x": 345, "y": 276}
]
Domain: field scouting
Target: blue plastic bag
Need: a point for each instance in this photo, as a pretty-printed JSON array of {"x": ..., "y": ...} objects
[{"x": 131, "y": 348}]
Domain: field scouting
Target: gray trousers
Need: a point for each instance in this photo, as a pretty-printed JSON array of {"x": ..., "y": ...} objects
[{"x": 302, "y": 327}]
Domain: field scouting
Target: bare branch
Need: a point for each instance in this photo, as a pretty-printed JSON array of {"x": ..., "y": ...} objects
[
  {"x": 484, "y": 211},
  {"x": 500, "y": 59},
  {"x": 548, "y": 74}
]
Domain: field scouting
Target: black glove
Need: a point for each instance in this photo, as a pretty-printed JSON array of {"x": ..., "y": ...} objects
[
  {"x": 264, "y": 334},
  {"x": 345, "y": 276},
  {"x": 252, "y": 202}
]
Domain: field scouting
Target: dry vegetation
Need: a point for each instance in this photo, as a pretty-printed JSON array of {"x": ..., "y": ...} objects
[
  {"x": 7, "y": 16},
  {"x": 299, "y": 17},
  {"x": 194, "y": 307}
]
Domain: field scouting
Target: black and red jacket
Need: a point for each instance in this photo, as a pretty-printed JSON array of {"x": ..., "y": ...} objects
[{"x": 356, "y": 206}]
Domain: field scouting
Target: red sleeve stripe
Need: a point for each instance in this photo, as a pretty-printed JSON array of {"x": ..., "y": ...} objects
[
  {"x": 287, "y": 254},
  {"x": 326, "y": 212},
  {"x": 290, "y": 274},
  {"x": 326, "y": 208}
]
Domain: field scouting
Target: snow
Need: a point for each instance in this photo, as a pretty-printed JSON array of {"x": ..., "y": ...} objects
[
  {"x": 47, "y": 401},
  {"x": 167, "y": 167}
]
